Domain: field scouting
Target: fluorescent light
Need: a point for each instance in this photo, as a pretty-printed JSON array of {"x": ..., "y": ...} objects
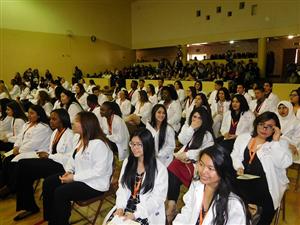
[
  {"x": 203, "y": 43},
  {"x": 290, "y": 37},
  {"x": 231, "y": 42}
]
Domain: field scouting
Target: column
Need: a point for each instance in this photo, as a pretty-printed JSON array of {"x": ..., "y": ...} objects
[{"x": 262, "y": 56}]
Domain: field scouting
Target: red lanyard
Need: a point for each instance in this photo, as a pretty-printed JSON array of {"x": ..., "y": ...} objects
[
  {"x": 137, "y": 187},
  {"x": 252, "y": 150},
  {"x": 234, "y": 124},
  {"x": 109, "y": 122},
  {"x": 58, "y": 136}
]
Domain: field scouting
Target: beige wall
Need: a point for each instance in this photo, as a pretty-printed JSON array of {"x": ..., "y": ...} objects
[
  {"x": 58, "y": 53},
  {"x": 158, "y": 23}
]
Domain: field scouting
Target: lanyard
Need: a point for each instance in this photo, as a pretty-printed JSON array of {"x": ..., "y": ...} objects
[
  {"x": 252, "y": 150},
  {"x": 58, "y": 136},
  {"x": 30, "y": 125},
  {"x": 109, "y": 122},
  {"x": 234, "y": 124},
  {"x": 137, "y": 187}
]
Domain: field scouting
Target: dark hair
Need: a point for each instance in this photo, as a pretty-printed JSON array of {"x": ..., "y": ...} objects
[
  {"x": 263, "y": 118},
  {"x": 152, "y": 88},
  {"x": 142, "y": 80},
  {"x": 81, "y": 90},
  {"x": 150, "y": 164},
  {"x": 114, "y": 107},
  {"x": 64, "y": 117},
  {"x": 97, "y": 88},
  {"x": 219, "y": 82},
  {"x": 227, "y": 184},
  {"x": 259, "y": 88},
  {"x": 135, "y": 83},
  {"x": 193, "y": 92},
  {"x": 44, "y": 98},
  {"x": 244, "y": 107},
  {"x": 179, "y": 84},
  {"x": 269, "y": 82},
  {"x": 206, "y": 126},
  {"x": 71, "y": 97},
  {"x": 163, "y": 126},
  {"x": 204, "y": 102},
  {"x": 42, "y": 117},
  {"x": 18, "y": 111},
  {"x": 91, "y": 98},
  {"x": 201, "y": 86},
  {"x": 3, "y": 104},
  {"x": 58, "y": 90},
  {"x": 172, "y": 92},
  {"x": 226, "y": 94},
  {"x": 143, "y": 96},
  {"x": 92, "y": 82},
  {"x": 298, "y": 93},
  {"x": 91, "y": 129}
]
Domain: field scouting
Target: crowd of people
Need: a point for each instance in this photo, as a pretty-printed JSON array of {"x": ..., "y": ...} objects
[{"x": 166, "y": 137}]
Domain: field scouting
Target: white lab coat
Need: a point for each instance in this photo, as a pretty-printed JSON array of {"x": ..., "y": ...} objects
[
  {"x": 120, "y": 134},
  {"x": 185, "y": 137},
  {"x": 153, "y": 99},
  {"x": 188, "y": 109},
  {"x": 193, "y": 200},
  {"x": 16, "y": 128},
  {"x": 245, "y": 124},
  {"x": 273, "y": 99},
  {"x": 73, "y": 109},
  {"x": 266, "y": 106},
  {"x": 89, "y": 89},
  {"x": 212, "y": 97},
  {"x": 15, "y": 92},
  {"x": 25, "y": 94},
  {"x": 143, "y": 111},
  {"x": 83, "y": 101},
  {"x": 96, "y": 111},
  {"x": 151, "y": 204},
  {"x": 48, "y": 107},
  {"x": 102, "y": 98},
  {"x": 214, "y": 108},
  {"x": 134, "y": 97},
  {"x": 34, "y": 139},
  {"x": 125, "y": 107},
  {"x": 5, "y": 125},
  {"x": 93, "y": 165},
  {"x": 274, "y": 156},
  {"x": 174, "y": 114},
  {"x": 64, "y": 148},
  {"x": 165, "y": 154},
  {"x": 181, "y": 96}
]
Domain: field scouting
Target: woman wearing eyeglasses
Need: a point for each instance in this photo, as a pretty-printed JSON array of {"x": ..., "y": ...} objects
[
  {"x": 264, "y": 154},
  {"x": 295, "y": 100},
  {"x": 142, "y": 184},
  {"x": 212, "y": 198}
]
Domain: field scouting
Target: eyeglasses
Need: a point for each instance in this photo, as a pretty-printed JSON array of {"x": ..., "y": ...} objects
[
  {"x": 266, "y": 127},
  {"x": 293, "y": 95},
  {"x": 138, "y": 145}
]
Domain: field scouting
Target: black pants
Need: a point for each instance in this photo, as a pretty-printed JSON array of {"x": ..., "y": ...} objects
[
  {"x": 28, "y": 170},
  {"x": 173, "y": 187},
  {"x": 9, "y": 172},
  {"x": 57, "y": 198},
  {"x": 6, "y": 146}
]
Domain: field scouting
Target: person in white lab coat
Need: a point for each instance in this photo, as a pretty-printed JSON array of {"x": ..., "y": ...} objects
[
  {"x": 212, "y": 96},
  {"x": 81, "y": 95},
  {"x": 195, "y": 136},
  {"x": 133, "y": 94},
  {"x": 142, "y": 184},
  {"x": 212, "y": 198},
  {"x": 261, "y": 104},
  {"x": 272, "y": 98},
  {"x": 35, "y": 135},
  {"x": 16, "y": 90},
  {"x": 180, "y": 92},
  {"x": 170, "y": 101},
  {"x": 189, "y": 103},
  {"x": 50, "y": 161},
  {"x": 151, "y": 94},
  {"x": 101, "y": 97},
  {"x": 240, "y": 89},
  {"x": 5, "y": 125},
  {"x": 124, "y": 103},
  {"x": 295, "y": 100},
  {"x": 69, "y": 103},
  {"x": 9, "y": 137},
  {"x": 43, "y": 99},
  {"x": 238, "y": 120},
  {"x": 163, "y": 134},
  {"x": 114, "y": 127},
  {"x": 88, "y": 171},
  {"x": 264, "y": 154}
]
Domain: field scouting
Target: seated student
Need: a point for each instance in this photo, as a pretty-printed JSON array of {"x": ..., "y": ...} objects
[
  {"x": 5, "y": 125},
  {"x": 212, "y": 198},
  {"x": 170, "y": 101},
  {"x": 264, "y": 154},
  {"x": 94, "y": 107},
  {"x": 3, "y": 91},
  {"x": 90, "y": 87},
  {"x": 142, "y": 111},
  {"x": 195, "y": 136},
  {"x": 189, "y": 102},
  {"x": 236, "y": 121},
  {"x": 290, "y": 125},
  {"x": 241, "y": 89},
  {"x": 81, "y": 95},
  {"x": 101, "y": 97},
  {"x": 218, "y": 108},
  {"x": 13, "y": 110},
  {"x": 272, "y": 98},
  {"x": 35, "y": 135},
  {"x": 163, "y": 134},
  {"x": 295, "y": 100},
  {"x": 213, "y": 95},
  {"x": 69, "y": 103},
  {"x": 133, "y": 94},
  {"x": 124, "y": 103},
  {"x": 87, "y": 174},
  {"x": 142, "y": 185},
  {"x": 62, "y": 143},
  {"x": 15, "y": 91},
  {"x": 57, "y": 104},
  {"x": 114, "y": 127},
  {"x": 180, "y": 92},
  {"x": 151, "y": 94},
  {"x": 261, "y": 104},
  {"x": 44, "y": 100}
]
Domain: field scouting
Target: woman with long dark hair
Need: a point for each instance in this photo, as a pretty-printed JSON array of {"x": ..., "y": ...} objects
[
  {"x": 70, "y": 103},
  {"x": 163, "y": 134},
  {"x": 195, "y": 136},
  {"x": 213, "y": 199},
  {"x": 50, "y": 161},
  {"x": 81, "y": 95},
  {"x": 189, "y": 102},
  {"x": 44, "y": 100},
  {"x": 180, "y": 92},
  {"x": 295, "y": 100},
  {"x": 142, "y": 185},
  {"x": 124, "y": 103},
  {"x": 114, "y": 127},
  {"x": 34, "y": 136},
  {"x": 263, "y": 154},
  {"x": 87, "y": 174},
  {"x": 13, "y": 110},
  {"x": 151, "y": 94}
]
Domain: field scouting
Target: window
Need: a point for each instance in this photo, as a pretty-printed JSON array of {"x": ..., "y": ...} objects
[
  {"x": 208, "y": 17},
  {"x": 253, "y": 10},
  {"x": 219, "y": 9},
  {"x": 198, "y": 57},
  {"x": 229, "y": 13},
  {"x": 242, "y": 5},
  {"x": 198, "y": 13}
]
